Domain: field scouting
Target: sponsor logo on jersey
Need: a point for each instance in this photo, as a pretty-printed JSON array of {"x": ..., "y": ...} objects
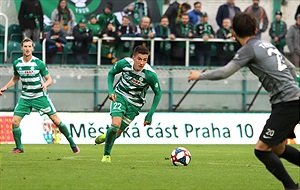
[
  {"x": 26, "y": 72},
  {"x": 135, "y": 81}
]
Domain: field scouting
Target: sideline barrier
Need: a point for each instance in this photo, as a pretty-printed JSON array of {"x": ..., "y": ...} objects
[
  {"x": 152, "y": 40},
  {"x": 179, "y": 128}
]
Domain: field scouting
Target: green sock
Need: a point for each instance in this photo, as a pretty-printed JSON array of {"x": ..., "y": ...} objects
[
  {"x": 110, "y": 139},
  {"x": 17, "y": 136},
  {"x": 64, "y": 130}
]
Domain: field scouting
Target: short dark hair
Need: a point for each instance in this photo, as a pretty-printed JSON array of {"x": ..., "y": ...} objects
[
  {"x": 186, "y": 5},
  {"x": 184, "y": 14},
  {"x": 244, "y": 24},
  {"x": 196, "y": 3},
  {"x": 141, "y": 49},
  {"x": 163, "y": 18}
]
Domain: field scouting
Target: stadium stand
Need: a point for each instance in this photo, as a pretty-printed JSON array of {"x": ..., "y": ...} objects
[
  {"x": 13, "y": 51},
  {"x": 69, "y": 57},
  {"x": 2, "y": 34},
  {"x": 14, "y": 33}
]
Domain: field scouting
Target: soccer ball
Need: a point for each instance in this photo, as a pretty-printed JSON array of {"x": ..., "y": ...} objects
[{"x": 181, "y": 157}]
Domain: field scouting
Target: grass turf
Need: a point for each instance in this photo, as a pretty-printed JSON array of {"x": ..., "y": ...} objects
[{"x": 136, "y": 167}]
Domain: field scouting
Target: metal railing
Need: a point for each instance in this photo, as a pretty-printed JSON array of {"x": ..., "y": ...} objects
[
  {"x": 152, "y": 42},
  {"x": 5, "y": 35}
]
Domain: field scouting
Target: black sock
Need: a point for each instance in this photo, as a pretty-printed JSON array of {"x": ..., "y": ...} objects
[
  {"x": 291, "y": 154},
  {"x": 275, "y": 166}
]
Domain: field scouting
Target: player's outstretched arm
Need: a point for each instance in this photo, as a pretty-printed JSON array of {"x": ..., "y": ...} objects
[
  {"x": 155, "y": 86},
  {"x": 14, "y": 79},
  {"x": 216, "y": 74}
]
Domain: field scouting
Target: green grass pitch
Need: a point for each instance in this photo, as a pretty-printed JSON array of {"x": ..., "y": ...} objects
[{"x": 136, "y": 167}]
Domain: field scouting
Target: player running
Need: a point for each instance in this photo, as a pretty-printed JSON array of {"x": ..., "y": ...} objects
[
  {"x": 277, "y": 76},
  {"x": 31, "y": 71},
  {"x": 129, "y": 95}
]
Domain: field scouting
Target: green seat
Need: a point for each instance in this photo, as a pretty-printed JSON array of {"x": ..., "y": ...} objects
[
  {"x": 1, "y": 54},
  {"x": 13, "y": 47},
  {"x": 1, "y": 57},
  {"x": 13, "y": 51},
  {"x": 93, "y": 55},
  {"x": 14, "y": 33},
  {"x": 2, "y": 29},
  {"x": 16, "y": 55},
  {"x": 2, "y": 34},
  {"x": 69, "y": 57},
  {"x": 1, "y": 42},
  {"x": 38, "y": 50}
]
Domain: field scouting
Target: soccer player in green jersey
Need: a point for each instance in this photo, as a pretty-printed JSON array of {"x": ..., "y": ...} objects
[
  {"x": 32, "y": 72},
  {"x": 129, "y": 95}
]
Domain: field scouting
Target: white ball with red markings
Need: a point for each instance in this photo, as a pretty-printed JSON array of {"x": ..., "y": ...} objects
[{"x": 181, "y": 157}]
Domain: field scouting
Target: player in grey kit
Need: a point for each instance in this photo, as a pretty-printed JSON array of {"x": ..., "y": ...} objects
[{"x": 277, "y": 76}]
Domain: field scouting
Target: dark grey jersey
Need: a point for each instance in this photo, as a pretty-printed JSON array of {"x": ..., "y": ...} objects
[{"x": 273, "y": 70}]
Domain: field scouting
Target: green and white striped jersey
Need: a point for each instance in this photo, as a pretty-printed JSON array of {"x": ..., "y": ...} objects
[
  {"x": 133, "y": 85},
  {"x": 31, "y": 75}
]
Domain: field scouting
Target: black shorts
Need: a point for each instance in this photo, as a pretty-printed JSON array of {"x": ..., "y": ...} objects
[{"x": 281, "y": 123}]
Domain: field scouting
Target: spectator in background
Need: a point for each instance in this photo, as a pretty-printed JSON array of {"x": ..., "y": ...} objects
[
  {"x": 55, "y": 42},
  {"x": 144, "y": 30},
  {"x": 206, "y": 32},
  {"x": 65, "y": 16},
  {"x": 297, "y": 12},
  {"x": 108, "y": 52},
  {"x": 174, "y": 12},
  {"x": 163, "y": 48},
  {"x": 278, "y": 31},
  {"x": 83, "y": 38},
  {"x": 182, "y": 29},
  {"x": 31, "y": 19},
  {"x": 107, "y": 17},
  {"x": 195, "y": 14},
  {"x": 137, "y": 10},
  {"x": 227, "y": 10},
  {"x": 293, "y": 42},
  {"x": 124, "y": 48},
  {"x": 94, "y": 25},
  {"x": 260, "y": 15},
  {"x": 225, "y": 50}
]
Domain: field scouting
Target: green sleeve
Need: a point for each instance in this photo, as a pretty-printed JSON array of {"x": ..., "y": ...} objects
[
  {"x": 155, "y": 86},
  {"x": 115, "y": 69},
  {"x": 43, "y": 69}
]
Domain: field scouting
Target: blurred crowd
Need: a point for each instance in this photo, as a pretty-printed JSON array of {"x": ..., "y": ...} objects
[{"x": 180, "y": 20}]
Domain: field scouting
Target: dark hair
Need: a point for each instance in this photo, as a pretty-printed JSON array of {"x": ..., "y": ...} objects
[
  {"x": 141, "y": 49},
  {"x": 184, "y": 14},
  {"x": 163, "y": 18},
  {"x": 196, "y": 3},
  {"x": 60, "y": 11},
  {"x": 244, "y": 24},
  {"x": 186, "y": 6}
]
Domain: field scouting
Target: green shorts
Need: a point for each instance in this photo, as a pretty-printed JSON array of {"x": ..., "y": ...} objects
[
  {"x": 124, "y": 109},
  {"x": 41, "y": 104}
]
